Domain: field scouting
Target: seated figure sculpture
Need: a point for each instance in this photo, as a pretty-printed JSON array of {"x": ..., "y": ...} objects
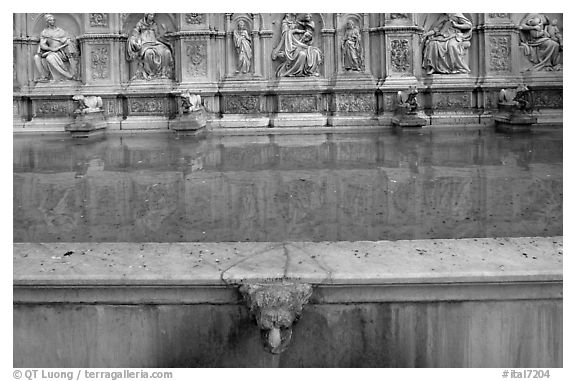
[
  {"x": 153, "y": 52},
  {"x": 299, "y": 57},
  {"x": 542, "y": 49},
  {"x": 446, "y": 44},
  {"x": 57, "y": 53}
]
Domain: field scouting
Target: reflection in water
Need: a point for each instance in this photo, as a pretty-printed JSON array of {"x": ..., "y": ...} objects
[{"x": 154, "y": 188}]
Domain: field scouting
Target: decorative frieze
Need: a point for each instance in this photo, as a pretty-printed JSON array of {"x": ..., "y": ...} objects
[
  {"x": 98, "y": 20},
  {"x": 99, "y": 62},
  {"x": 52, "y": 108},
  {"x": 196, "y": 52},
  {"x": 499, "y": 15},
  {"x": 500, "y": 48},
  {"x": 147, "y": 106},
  {"x": 298, "y": 103},
  {"x": 355, "y": 102},
  {"x": 194, "y": 18},
  {"x": 242, "y": 104},
  {"x": 451, "y": 100},
  {"x": 547, "y": 98},
  {"x": 401, "y": 55}
]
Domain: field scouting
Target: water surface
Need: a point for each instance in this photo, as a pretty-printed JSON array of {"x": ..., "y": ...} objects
[{"x": 323, "y": 187}]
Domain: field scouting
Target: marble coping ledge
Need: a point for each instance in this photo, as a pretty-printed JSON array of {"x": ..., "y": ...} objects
[{"x": 416, "y": 262}]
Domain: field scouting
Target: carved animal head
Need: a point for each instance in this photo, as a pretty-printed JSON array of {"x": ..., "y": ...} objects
[{"x": 276, "y": 308}]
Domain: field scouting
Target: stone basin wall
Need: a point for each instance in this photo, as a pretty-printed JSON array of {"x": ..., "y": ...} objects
[
  {"x": 206, "y": 63},
  {"x": 494, "y": 302}
]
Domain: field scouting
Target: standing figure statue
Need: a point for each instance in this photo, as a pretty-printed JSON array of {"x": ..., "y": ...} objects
[
  {"x": 542, "y": 49},
  {"x": 148, "y": 45},
  {"x": 295, "y": 48},
  {"x": 352, "y": 47},
  {"x": 243, "y": 45},
  {"x": 56, "y": 58},
  {"x": 445, "y": 45}
]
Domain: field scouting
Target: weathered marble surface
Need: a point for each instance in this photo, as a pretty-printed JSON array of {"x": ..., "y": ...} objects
[{"x": 327, "y": 263}]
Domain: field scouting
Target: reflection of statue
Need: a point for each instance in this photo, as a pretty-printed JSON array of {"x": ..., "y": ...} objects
[
  {"x": 149, "y": 46},
  {"x": 57, "y": 53},
  {"x": 352, "y": 48},
  {"x": 543, "y": 50},
  {"x": 445, "y": 45},
  {"x": 243, "y": 45},
  {"x": 300, "y": 58}
]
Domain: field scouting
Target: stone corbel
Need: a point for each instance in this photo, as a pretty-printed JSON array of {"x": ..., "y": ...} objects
[{"x": 276, "y": 307}]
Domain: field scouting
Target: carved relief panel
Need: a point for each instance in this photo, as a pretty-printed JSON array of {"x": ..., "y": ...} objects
[
  {"x": 298, "y": 103},
  {"x": 52, "y": 109},
  {"x": 400, "y": 51},
  {"x": 499, "y": 54},
  {"x": 242, "y": 104},
  {"x": 98, "y": 20},
  {"x": 451, "y": 100},
  {"x": 195, "y": 58},
  {"x": 99, "y": 62},
  {"x": 355, "y": 102},
  {"x": 147, "y": 106}
]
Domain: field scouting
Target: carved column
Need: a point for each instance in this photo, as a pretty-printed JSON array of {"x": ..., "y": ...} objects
[
  {"x": 366, "y": 42},
  {"x": 266, "y": 55},
  {"x": 276, "y": 307},
  {"x": 229, "y": 56},
  {"x": 328, "y": 39}
]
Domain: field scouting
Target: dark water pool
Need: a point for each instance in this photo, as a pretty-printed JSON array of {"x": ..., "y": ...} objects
[{"x": 323, "y": 187}]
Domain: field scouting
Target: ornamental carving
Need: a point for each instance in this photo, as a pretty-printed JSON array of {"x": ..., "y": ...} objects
[
  {"x": 196, "y": 53},
  {"x": 110, "y": 106},
  {"x": 548, "y": 99},
  {"x": 355, "y": 102},
  {"x": 194, "y": 18},
  {"x": 52, "y": 108},
  {"x": 499, "y": 15},
  {"x": 276, "y": 307},
  {"x": 447, "y": 100},
  {"x": 99, "y": 20},
  {"x": 242, "y": 104},
  {"x": 298, "y": 103},
  {"x": 500, "y": 48},
  {"x": 99, "y": 58},
  {"x": 400, "y": 55},
  {"x": 146, "y": 106},
  {"x": 396, "y": 16}
]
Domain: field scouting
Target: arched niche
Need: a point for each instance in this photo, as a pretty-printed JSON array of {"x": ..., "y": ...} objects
[
  {"x": 248, "y": 19},
  {"x": 70, "y": 22},
  {"x": 236, "y": 65}
]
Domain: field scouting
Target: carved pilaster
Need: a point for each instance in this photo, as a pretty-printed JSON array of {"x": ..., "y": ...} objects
[{"x": 276, "y": 307}]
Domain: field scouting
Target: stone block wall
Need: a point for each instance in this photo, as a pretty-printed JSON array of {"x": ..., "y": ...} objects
[{"x": 389, "y": 50}]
